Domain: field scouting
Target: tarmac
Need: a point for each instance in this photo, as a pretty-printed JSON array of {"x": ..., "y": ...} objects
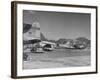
[{"x": 58, "y": 58}]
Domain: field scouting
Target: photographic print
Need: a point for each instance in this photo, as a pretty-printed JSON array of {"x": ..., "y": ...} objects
[
  {"x": 59, "y": 39},
  {"x": 53, "y": 39}
]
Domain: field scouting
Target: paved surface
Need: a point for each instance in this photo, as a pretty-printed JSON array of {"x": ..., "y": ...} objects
[{"x": 58, "y": 58}]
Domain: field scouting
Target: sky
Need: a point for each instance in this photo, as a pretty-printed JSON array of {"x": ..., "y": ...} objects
[{"x": 56, "y": 25}]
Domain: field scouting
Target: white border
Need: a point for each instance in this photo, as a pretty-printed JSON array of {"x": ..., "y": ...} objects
[{"x": 21, "y": 72}]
